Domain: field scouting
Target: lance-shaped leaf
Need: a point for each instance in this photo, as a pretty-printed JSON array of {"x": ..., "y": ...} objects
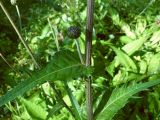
[
  {"x": 64, "y": 65},
  {"x": 120, "y": 96}
]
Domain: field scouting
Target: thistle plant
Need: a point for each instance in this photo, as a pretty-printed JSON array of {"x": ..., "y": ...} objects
[{"x": 122, "y": 65}]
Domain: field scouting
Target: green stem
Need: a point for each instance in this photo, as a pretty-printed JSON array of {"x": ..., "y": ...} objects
[
  {"x": 79, "y": 51},
  {"x": 19, "y": 17},
  {"x": 54, "y": 33},
  {"x": 19, "y": 35},
  {"x": 7, "y": 63}
]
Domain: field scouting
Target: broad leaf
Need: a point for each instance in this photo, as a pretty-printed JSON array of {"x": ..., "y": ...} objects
[
  {"x": 63, "y": 66},
  {"x": 120, "y": 96}
]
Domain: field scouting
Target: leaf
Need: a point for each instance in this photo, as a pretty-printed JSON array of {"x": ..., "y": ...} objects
[
  {"x": 64, "y": 65},
  {"x": 55, "y": 109},
  {"x": 154, "y": 65},
  {"x": 140, "y": 26},
  {"x": 35, "y": 110},
  {"x": 133, "y": 46},
  {"x": 155, "y": 37},
  {"x": 125, "y": 39},
  {"x": 122, "y": 58},
  {"x": 120, "y": 96},
  {"x": 111, "y": 68},
  {"x": 102, "y": 102},
  {"x": 76, "y": 108},
  {"x": 142, "y": 66},
  {"x": 126, "y": 28}
]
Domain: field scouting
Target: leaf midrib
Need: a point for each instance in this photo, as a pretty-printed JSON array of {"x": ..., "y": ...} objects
[{"x": 132, "y": 90}]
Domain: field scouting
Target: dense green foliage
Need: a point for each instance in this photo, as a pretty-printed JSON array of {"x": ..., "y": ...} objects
[{"x": 125, "y": 60}]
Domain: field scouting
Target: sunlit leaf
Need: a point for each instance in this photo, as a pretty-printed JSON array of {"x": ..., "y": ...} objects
[
  {"x": 125, "y": 39},
  {"x": 155, "y": 37},
  {"x": 133, "y": 46},
  {"x": 154, "y": 65},
  {"x": 122, "y": 58},
  {"x": 143, "y": 66},
  {"x": 140, "y": 26},
  {"x": 120, "y": 96},
  {"x": 126, "y": 28},
  {"x": 34, "y": 109}
]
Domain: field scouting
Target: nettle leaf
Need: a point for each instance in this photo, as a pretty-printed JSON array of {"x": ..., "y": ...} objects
[
  {"x": 120, "y": 96},
  {"x": 64, "y": 66}
]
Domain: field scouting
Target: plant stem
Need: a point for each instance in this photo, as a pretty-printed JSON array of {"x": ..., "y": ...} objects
[
  {"x": 19, "y": 35},
  {"x": 60, "y": 99},
  {"x": 54, "y": 33},
  {"x": 19, "y": 17},
  {"x": 89, "y": 30},
  {"x": 7, "y": 62},
  {"x": 79, "y": 51}
]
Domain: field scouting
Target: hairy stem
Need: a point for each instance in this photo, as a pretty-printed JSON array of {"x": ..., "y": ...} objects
[
  {"x": 89, "y": 30},
  {"x": 19, "y": 35}
]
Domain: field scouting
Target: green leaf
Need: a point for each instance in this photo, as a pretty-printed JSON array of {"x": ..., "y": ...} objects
[
  {"x": 154, "y": 65},
  {"x": 142, "y": 66},
  {"x": 133, "y": 46},
  {"x": 122, "y": 58},
  {"x": 75, "y": 105},
  {"x": 110, "y": 69},
  {"x": 155, "y": 37},
  {"x": 125, "y": 39},
  {"x": 35, "y": 110},
  {"x": 120, "y": 96},
  {"x": 54, "y": 110},
  {"x": 65, "y": 65},
  {"x": 140, "y": 26}
]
